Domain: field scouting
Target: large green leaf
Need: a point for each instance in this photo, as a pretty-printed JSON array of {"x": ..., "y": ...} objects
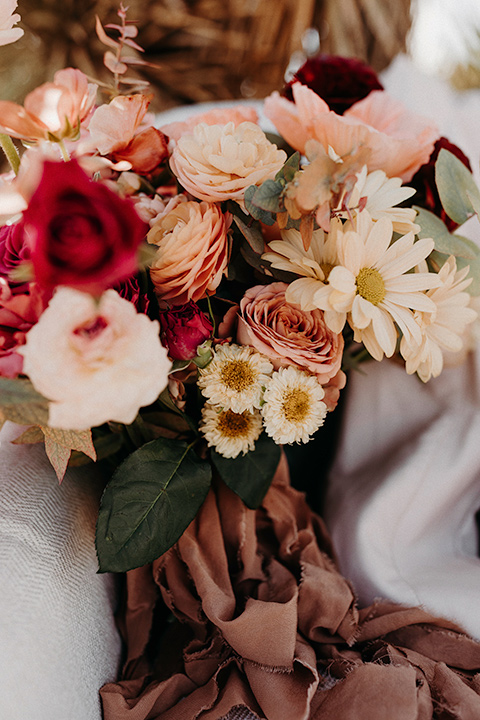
[
  {"x": 250, "y": 475},
  {"x": 153, "y": 496},
  {"x": 445, "y": 242},
  {"x": 256, "y": 212},
  {"x": 456, "y": 187}
]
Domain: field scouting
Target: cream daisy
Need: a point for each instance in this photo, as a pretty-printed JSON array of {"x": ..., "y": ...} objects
[
  {"x": 294, "y": 407},
  {"x": 236, "y": 378},
  {"x": 443, "y": 329},
  {"x": 228, "y": 432},
  {"x": 378, "y": 195},
  {"x": 373, "y": 286},
  {"x": 314, "y": 264}
]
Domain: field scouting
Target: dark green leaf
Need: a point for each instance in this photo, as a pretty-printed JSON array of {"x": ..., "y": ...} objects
[
  {"x": 456, "y": 187},
  {"x": 257, "y": 213},
  {"x": 252, "y": 234},
  {"x": 266, "y": 196},
  {"x": 152, "y": 498},
  {"x": 250, "y": 475}
]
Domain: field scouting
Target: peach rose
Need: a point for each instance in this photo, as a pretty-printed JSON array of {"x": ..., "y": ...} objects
[
  {"x": 288, "y": 336},
  {"x": 216, "y": 116},
  {"x": 96, "y": 361},
  {"x": 400, "y": 141},
  {"x": 192, "y": 251},
  {"x": 219, "y": 162}
]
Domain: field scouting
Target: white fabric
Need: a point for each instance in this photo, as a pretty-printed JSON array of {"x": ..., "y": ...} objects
[{"x": 58, "y": 642}]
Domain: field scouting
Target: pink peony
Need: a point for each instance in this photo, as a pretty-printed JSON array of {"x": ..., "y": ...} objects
[
  {"x": 184, "y": 328},
  {"x": 55, "y": 110},
  {"x": 217, "y": 116},
  {"x": 192, "y": 251},
  {"x": 290, "y": 336},
  {"x": 96, "y": 361},
  {"x": 400, "y": 141},
  {"x": 81, "y": 233}
]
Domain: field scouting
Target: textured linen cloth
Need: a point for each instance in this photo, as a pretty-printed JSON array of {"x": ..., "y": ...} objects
[{"x": 58, "y": 641}]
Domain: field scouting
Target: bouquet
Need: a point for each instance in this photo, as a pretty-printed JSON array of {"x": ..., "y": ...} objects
[{"x": 180, "y": 303}]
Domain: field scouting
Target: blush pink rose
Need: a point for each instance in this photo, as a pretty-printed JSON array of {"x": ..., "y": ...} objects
[
  {"x": 192, "y": 251},
  {"x": 288, "y": 336},
  {"x": 216, "y": 116},
  {"x": 184, "y": 328}
]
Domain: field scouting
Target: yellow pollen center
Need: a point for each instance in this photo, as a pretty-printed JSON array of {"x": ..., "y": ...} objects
[
  {"x": 370, "y": 285},
  {"x": 238, "y": 375},
  {"x": 326, "y": 269},
  {"x": 295, "y": 406},
  {"x": 233, "y": 425}
]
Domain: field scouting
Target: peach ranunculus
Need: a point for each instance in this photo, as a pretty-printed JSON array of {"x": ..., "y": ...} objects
[
  {"x": 8, "y": 33},
  {"x": 116, "y": 130},
  {"x": 219, "y": 162},
  {"x": 289, "y": 336},
  {"x": 95, "y": 361},
  {"x": 216, "y": 116},
  {"x": 53, "y": 111},
  {"x": 192, "y": 253},
  {"x": 400, "y": 141}
]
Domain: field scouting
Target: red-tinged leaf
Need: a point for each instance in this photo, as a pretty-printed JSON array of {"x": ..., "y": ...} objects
[
  {"x": 31, "y": 436},
  {"x": 133, "y": 44},
  {"x": 114, "y": 65},
  {"x": 134, "y": 81},
  {"x": 80, "y": 440},
  {"x": 129, "y": 31},
  {"x": 102, "y": 35},
  {"x": 58, "y": 456}
]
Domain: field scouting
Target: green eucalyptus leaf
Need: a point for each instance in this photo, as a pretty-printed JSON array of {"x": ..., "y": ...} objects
[
  {"x": 151, "y": 499},
  {"x": 290, "y": 169},
  {"x": 474, "y": 265},
  {"x": 267, "y": 195},
  {"x": 257, "y": 213},
  {"x": 252, "y": 234},
  {"x": 475, "y": 201},
  {"x": 456, "y": 187},
  {"x": 250, "y": 475},
  {"x": 445, "y": 242}
]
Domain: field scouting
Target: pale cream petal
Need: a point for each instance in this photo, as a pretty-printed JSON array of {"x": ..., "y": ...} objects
[
  {"x": 362, "y": 312},
  {"x": 408, "y": 260},
  {"x": 413, "y": 300},
  {"x": 378, "y": 241}
]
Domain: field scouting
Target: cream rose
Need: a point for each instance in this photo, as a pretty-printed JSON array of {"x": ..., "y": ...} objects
[
  {"x": 95, "y": 361},
  {"x": 192, "y": 251},
  {"x": 218, "y": 162},
  {"x": 290, "y": 336}
]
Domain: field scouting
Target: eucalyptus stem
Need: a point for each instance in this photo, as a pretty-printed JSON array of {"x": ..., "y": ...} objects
[
  {"x": 64, "y": 151},
  {"x": 10, "y": 151}
]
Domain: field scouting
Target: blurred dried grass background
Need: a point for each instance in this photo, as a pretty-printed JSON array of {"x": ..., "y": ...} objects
[{"x": 206, "y": 49}]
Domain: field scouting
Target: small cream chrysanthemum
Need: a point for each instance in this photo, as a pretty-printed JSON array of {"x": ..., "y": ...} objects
[
  {"x": 294, "y": 407},
  {"x": 379, "y": 195},
  {"x": 236, "y": 378},
  {"x": 442, "y": 330},
  {"x": 228, "y": 432}
]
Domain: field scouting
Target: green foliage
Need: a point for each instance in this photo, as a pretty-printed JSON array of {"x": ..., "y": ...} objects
[
  {"x": 458, "y": 191},
  {"x": 21, "y": 403},
  {"x": 250, "y": 475},
  {"x": 152, "y": 498}
]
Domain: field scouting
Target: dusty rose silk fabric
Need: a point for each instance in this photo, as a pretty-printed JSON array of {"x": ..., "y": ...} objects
[{"x": 264, "y": 623}]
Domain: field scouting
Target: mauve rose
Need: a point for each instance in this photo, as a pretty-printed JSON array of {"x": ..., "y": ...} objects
[
  {"x": 81, "y": 233},
  {"x": 184, "y": 328},
  {"x": 18, "y": 313},
  {"x": 339, "y": 81},
  {"x": 424, "y": 182},
  {"x": 288, "y": 335}
]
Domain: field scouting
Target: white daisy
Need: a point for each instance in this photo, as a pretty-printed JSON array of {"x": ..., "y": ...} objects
[
  {"x": 235, "y": 378},
  {"x": 378, "y": 195},
  {"x": 314, "y": 264},
  {"x": 373, "y": 286},
  {"x": 294, "y": 407},
  {"x": 443, "y": 329},
  {"x": 228, "y": 432}
]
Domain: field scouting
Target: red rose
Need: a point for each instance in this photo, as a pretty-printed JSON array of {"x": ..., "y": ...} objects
[
  {"x": 13, "y": 251},
  {"x": 18, "y": 313},
  {"x": 81, "y": 233},
  {"x": 184, "y": 328},
  {"x": 339, "y": 81},
  {"x": 424, "y": 182}
]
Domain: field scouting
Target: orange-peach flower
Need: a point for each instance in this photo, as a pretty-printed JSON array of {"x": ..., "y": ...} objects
[
  {"x": 290, "y": 336},
  {"x": 219, "y": 162},
  {"x": 192, "y": 251},
  {"x": 116, "y": 130},
  {"x": 400, "y": 141},
  {"x": 216, "y": 116},
  {"x": 53, "y": 111}
]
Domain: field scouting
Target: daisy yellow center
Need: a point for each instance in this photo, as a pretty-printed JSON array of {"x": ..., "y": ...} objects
[
  {"x": 370, "y": 285},
  {"x": 326, "y": 269},
  {"x": 295, "y": 405},
  {"x": 234, "y": 425},
  {"x": 238, "y": 375}
]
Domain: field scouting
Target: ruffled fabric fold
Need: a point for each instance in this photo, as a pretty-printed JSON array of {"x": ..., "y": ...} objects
[{"x": 249, "y": 611}]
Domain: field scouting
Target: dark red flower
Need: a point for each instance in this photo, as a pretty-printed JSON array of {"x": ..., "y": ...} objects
[
  {"x": 14, "y": 250},
  {"x": 339, "y": 81},
  {"x": 81, "y": 233},
  {"x": 18, "y": 313},
  {"x": 183, "y": 328},
  {"x": 130, "y": 290},
  {"x": 424, "y": 182}
]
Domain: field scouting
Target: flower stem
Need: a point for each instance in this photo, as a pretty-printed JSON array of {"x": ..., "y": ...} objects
[
  {"x": 10, "y": 151},
  {"x": 64, "y": 151}
]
